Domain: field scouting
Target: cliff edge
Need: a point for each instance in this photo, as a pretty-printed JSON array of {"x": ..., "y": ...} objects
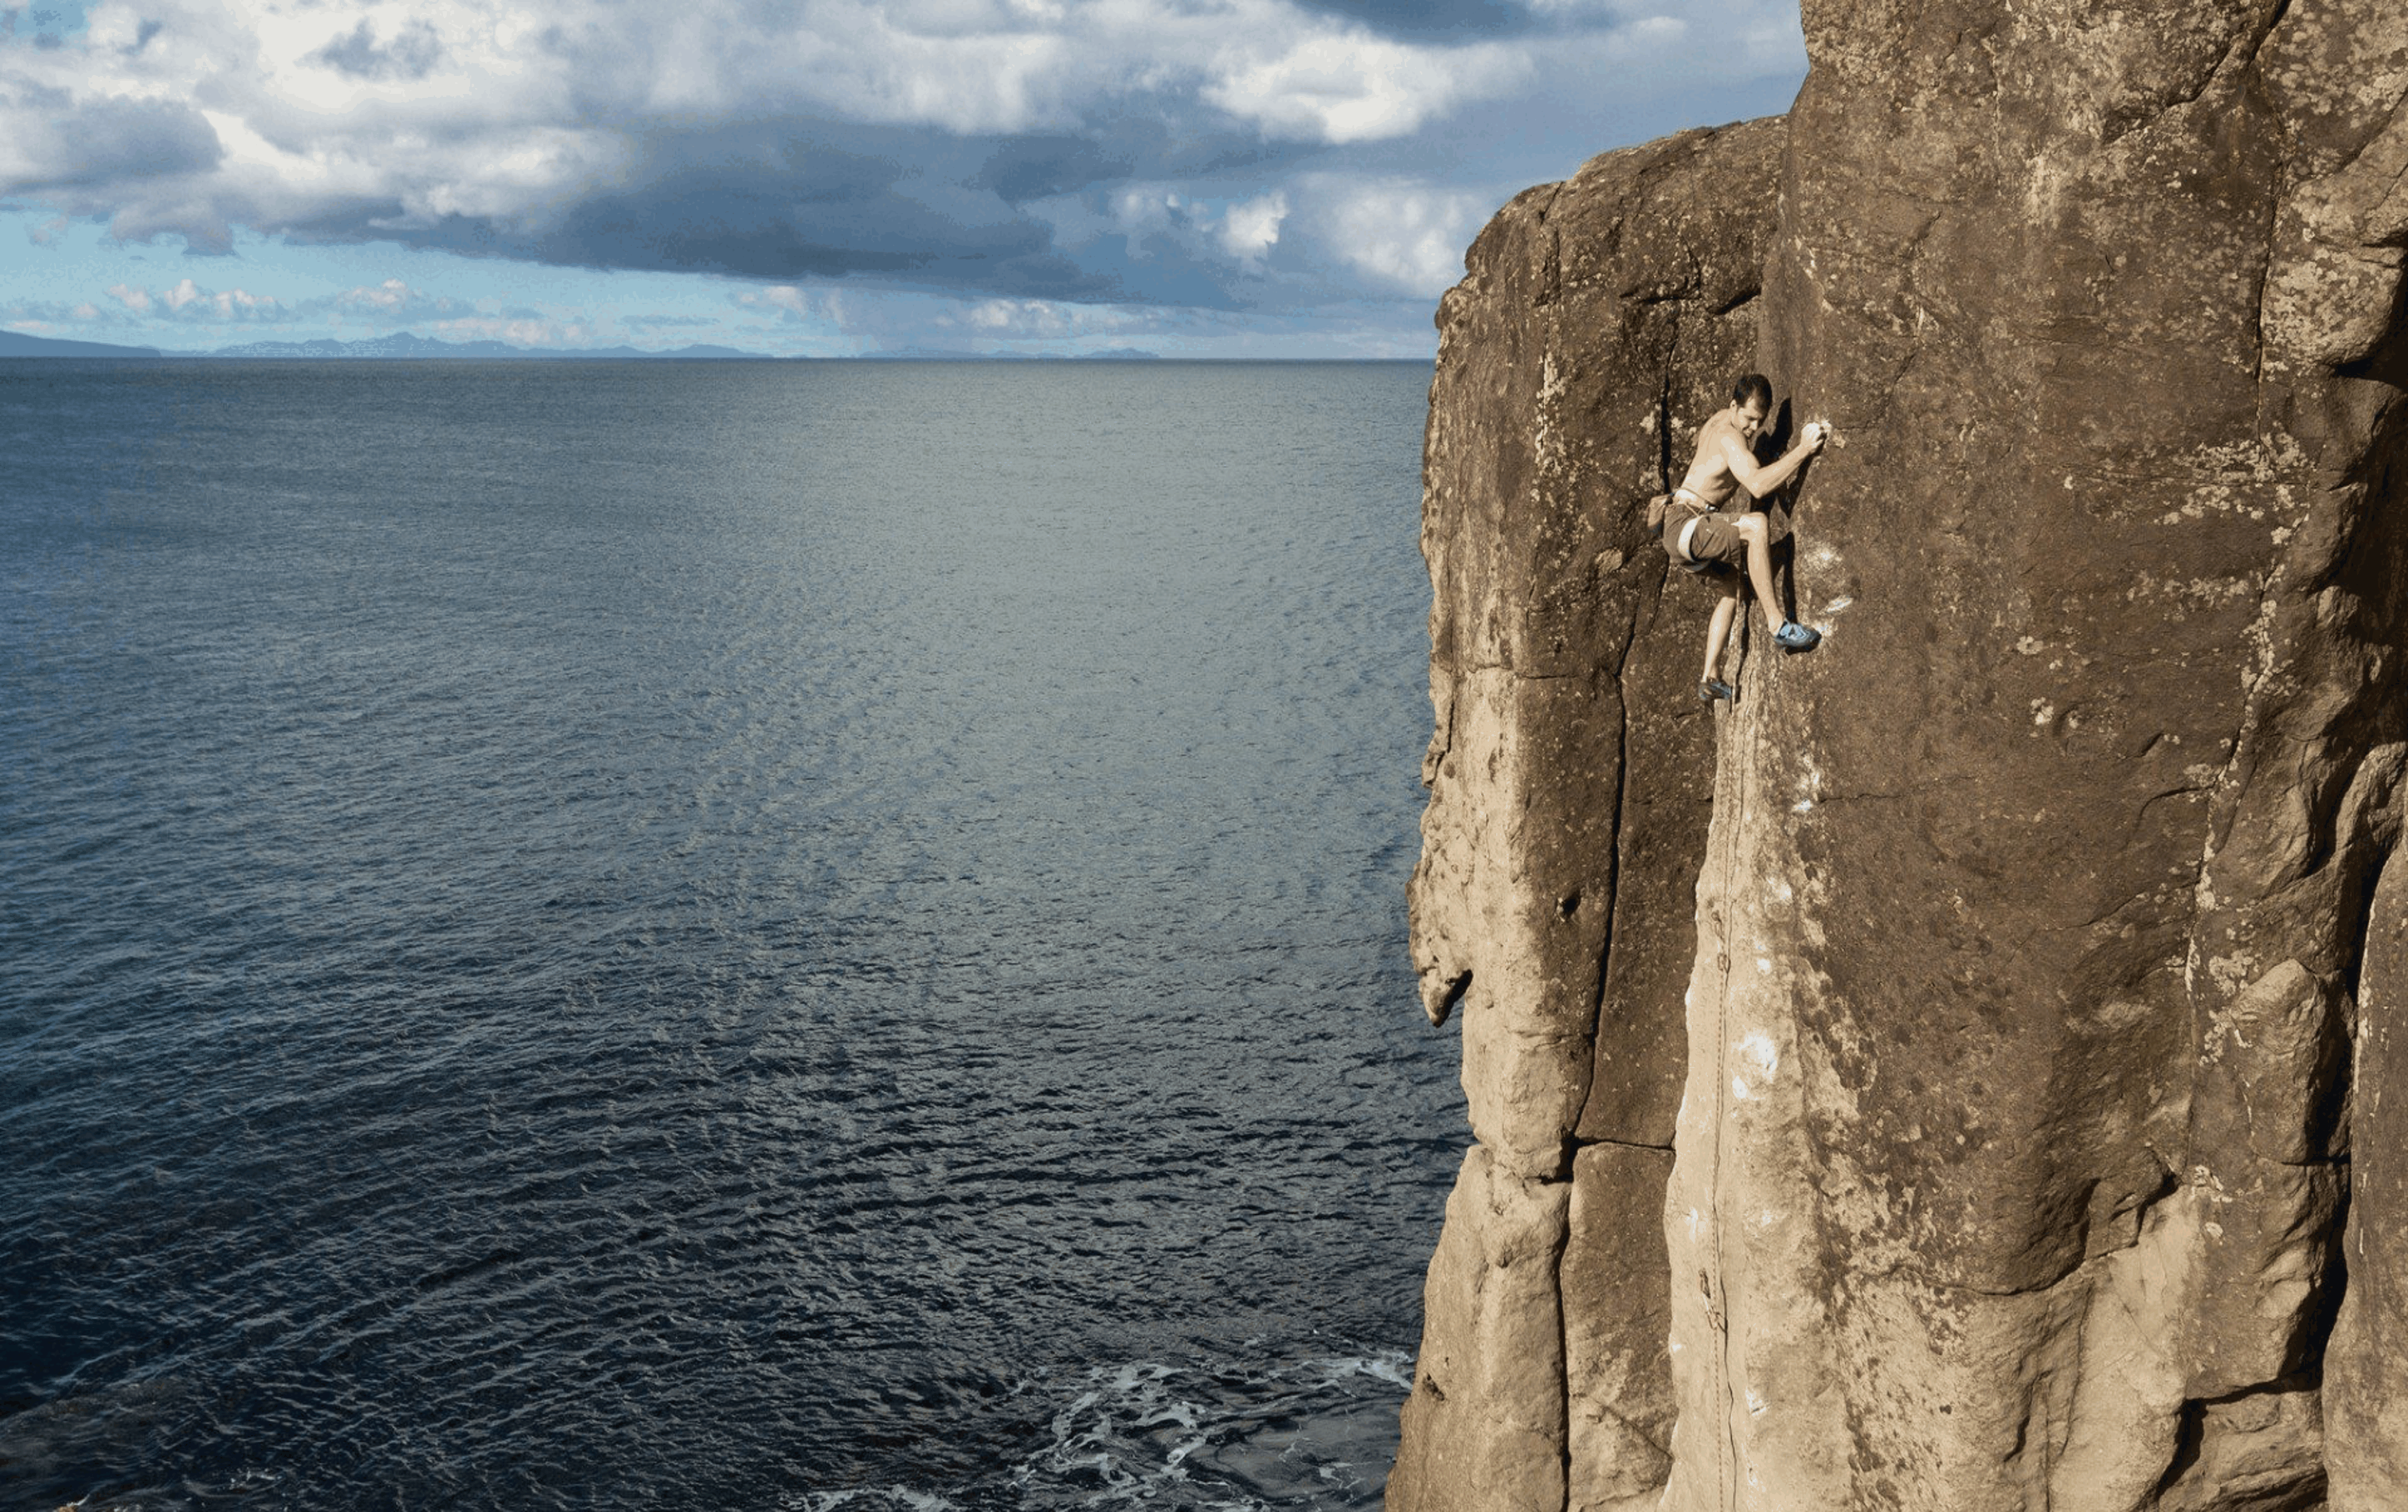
[{"x": 1954, "y": 1075}]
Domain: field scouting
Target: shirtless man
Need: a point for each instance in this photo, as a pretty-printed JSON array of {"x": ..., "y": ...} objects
[{"x": 1695, "y": 534}]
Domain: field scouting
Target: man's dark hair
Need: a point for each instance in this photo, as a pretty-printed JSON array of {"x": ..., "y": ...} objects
[{"x": 1754, "y": 386}]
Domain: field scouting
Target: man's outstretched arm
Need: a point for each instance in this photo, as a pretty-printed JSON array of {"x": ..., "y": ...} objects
[{"x": 1761, "y": 480}]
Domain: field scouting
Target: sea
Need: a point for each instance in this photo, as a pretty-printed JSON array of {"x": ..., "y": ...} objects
[{"x": 732, "y": 935}]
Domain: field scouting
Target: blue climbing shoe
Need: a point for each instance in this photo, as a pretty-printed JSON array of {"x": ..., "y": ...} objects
[
  {"x": 1792, "y": 636},
  {"x": 1714, "y": 688}
]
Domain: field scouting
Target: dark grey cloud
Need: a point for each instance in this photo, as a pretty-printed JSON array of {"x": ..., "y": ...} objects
[
  {"x": 1119, "y": 146},
  {"x": 764, "y": 226},
  {"x": 842, "y": 201},
  {"x": 1424, "y": 20},
  {"x": 1038, "y": 167},
  {"x": 771, "y": 205},
  {"x": 412, "y": 54},
  {"x": 96, "y": 142}
]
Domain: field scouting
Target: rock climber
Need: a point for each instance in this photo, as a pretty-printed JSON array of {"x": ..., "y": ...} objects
[{"x": 1702, "y": 539}]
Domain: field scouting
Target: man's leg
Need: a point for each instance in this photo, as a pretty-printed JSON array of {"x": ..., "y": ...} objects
[
  {"x": 1759, "y": 566},
  {"x": 1718, "y": 630},
  {"x": 1710, "y": 687}
]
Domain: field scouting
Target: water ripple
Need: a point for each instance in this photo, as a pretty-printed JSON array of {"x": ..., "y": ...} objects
[{"x": 797, "y": 936}]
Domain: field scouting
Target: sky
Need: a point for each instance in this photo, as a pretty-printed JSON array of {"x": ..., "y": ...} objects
[{"x": 817, "y": 177}]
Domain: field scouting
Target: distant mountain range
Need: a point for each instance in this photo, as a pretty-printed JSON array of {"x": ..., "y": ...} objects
[
  {"x": 944, "y": 355},
  {"x": 13, "y": 344},
  {"x": 403, "y": 346}
]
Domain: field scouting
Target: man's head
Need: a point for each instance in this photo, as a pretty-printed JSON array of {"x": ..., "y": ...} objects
[{"x": 1752, "y": 397}]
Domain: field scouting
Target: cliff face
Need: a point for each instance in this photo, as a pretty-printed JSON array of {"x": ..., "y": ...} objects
[
  {"x": 1572, "y": 780},
  {"x": 2039, "y": 957}
]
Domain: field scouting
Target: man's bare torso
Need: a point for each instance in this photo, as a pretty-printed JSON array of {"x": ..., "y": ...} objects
[{"x": 1709, "y": 476}]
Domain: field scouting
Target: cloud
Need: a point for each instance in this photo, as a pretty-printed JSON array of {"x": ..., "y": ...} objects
[
  {"x": 1159, "y": 245},
  {"x": 390, "y": 295},
  {"x": 998, "y": 149},
  {"x": 1352, "y": 88},
  {"x": 188, "y": 301},
  {"x": 60, "y": 142},
  {"x": 394, "y": 302},
  {"x": 1408, "y": 235},
  {"x": 411, "y": 54},
  {"x": 1041, "y": 320},
  {"x": 56, "y": 315},
  {"x": 519, "y": 330},
  {"x": 1249, "y": 231},
  {"x": 1035, "y": 168},
  {"x": 789, "y": 302},
  {"x": 735, "y": 203}
]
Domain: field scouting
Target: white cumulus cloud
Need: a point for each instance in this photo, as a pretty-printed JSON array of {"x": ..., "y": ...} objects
[
  {"x": 395, "y": 301},
  {"x": 790, "y": 302},
  {"x": 1342, "y": 87},
  {"x": 189, "y": 301},
  {"x": 1249, "y": 231},
  {"x": 392, "y": 294},
  {"x": 1410, "y": 236},
  {"x": 518, "y": 330},
  {"x": 1036, "y": 319}
]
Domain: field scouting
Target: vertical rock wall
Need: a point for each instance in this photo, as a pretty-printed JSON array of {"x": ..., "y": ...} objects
[
  {"x": 2040, "y": 1143},
  {"x": 1571, "y": 776}
]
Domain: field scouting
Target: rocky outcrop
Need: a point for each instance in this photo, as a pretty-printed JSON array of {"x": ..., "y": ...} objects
[
  {"x": 2041, "y": 958},
  {"x": 1571, "y": 779}
]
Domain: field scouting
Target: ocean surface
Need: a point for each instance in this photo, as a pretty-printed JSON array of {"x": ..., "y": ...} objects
[{"x": 717, "y": 935}]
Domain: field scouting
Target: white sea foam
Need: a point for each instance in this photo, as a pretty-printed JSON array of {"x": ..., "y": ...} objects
[{"x": 1222, "y": 1437}]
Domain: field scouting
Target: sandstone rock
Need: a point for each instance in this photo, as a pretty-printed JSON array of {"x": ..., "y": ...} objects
[
  {"x": 1617, "y": 1318},
  {"x": 1484, "y": 1424},
  {"x": 2366, "y": 1397},
  {"x": 2040, "y": 996},
  {"x": 1570, "y": 780}
]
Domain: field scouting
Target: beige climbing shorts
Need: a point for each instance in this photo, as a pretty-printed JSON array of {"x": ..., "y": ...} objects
[{"x": 1716, "y": 542}]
